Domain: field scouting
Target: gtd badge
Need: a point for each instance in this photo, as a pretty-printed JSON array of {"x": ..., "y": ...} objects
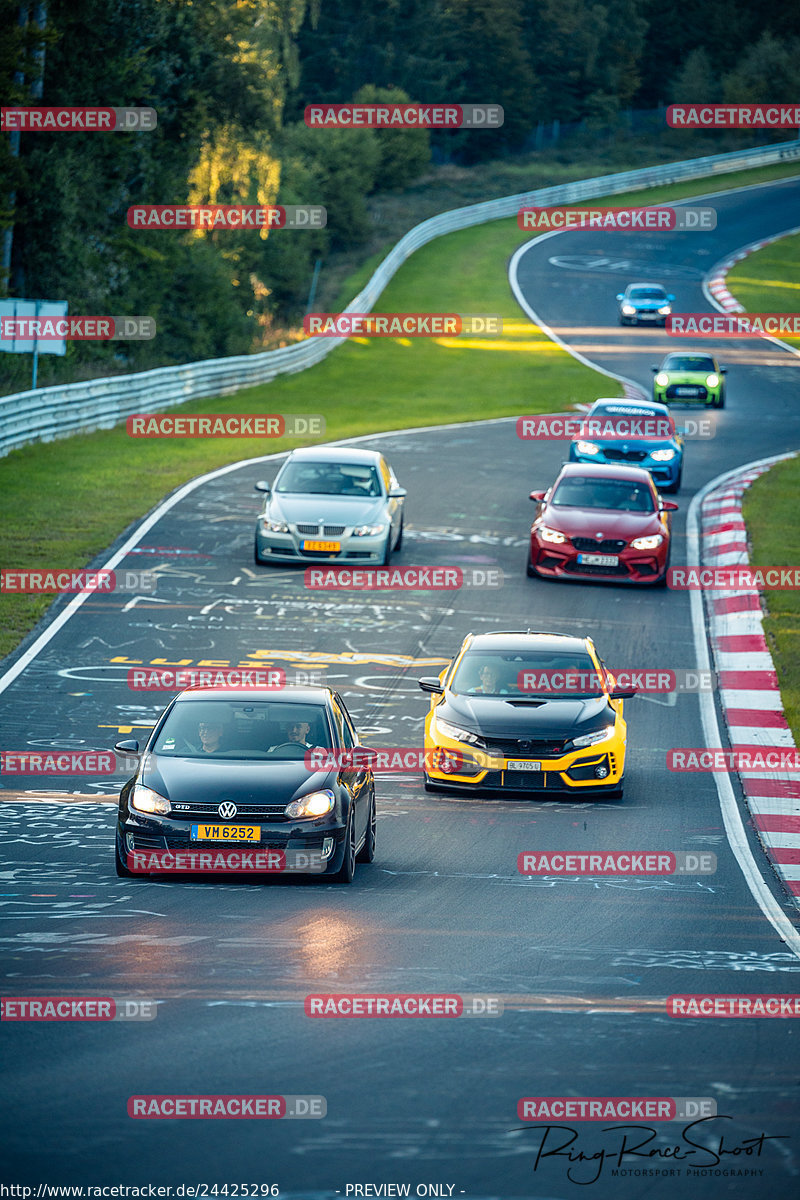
[{"x": 227, "y": 810}]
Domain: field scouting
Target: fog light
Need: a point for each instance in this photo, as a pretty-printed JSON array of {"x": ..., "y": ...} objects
[
  {"x": 601, "y": 772},
  {"x": 327, "y": 847},
  {"x": 129, "y": 841}
]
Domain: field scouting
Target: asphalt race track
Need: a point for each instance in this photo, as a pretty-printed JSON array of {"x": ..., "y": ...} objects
[{"x": 582, "y": 965}]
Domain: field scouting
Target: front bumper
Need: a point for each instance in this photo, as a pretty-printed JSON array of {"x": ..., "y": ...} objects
[
  {"x": 595, "y": 769},
  {"x": 560, "y": 561},
  {"x": 317, "y": 844},
  {"x": 651, "y": 316},
  {"x": 662, "y": 472},
  {"x": 287, "y": 548},
  {"x": 703, "y": 394}
]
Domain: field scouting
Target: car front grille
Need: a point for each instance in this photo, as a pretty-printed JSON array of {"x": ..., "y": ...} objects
[
  {"x": 334, "y": 530},
  {"x": 264, "y": 812},
  {"x": 321, "y": 530},
  {"x": 576, "y": 568},
  {"x": 532, "y": 748},
  {"x": 606, "y": 546},
  {"x": 625, "y": 455},
  {"x": 308, "y": 529},
  {"x": 700, "y": 393}
]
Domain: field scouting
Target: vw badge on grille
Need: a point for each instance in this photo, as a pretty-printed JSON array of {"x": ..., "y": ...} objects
[{"x": 227, "y": 809}]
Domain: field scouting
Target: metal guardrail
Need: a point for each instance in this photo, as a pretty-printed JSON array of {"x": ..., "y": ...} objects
[{"x": 59, "y": 411}]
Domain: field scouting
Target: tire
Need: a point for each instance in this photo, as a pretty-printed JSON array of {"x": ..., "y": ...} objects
[
  {"x": 122, "y": 870},
  {"x": 399, "y": 545},
  {"x": 257, "y": 557},
  {"x": 387, "y": 551},
  {"x": 348, "y": 868},
  {"x": 720, "y": 401},
  {"x": 367, "y": 852},
  {"x": 529, "y": 570}
]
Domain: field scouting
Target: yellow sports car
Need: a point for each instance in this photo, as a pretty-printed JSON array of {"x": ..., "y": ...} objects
[{"x": 525, "y": 712}]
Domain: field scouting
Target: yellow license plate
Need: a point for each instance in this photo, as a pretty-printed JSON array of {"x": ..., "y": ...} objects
[
  {"x": 226, "y": 833},
  {"x": 328, "y": 547}
]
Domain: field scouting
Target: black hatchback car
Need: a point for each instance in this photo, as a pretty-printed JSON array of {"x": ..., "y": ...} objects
[{"x": 231, "y": 770}]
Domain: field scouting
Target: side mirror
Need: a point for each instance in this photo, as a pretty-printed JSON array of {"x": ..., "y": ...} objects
[
  {"x": 655, "y": 370},
  {"x": 262, "y": 486},
  {"x": 620, "y": 295},
  {"x": 537, "y": 496},
  {"x": 430, "y": 683},
  {"x": 670, "y": 297},
  {"x": 723, "y": 370},
  {"x": 127, "y": 747},
  {"x": 628, "y": 694},
  {"x": 397, "y": 493},
  {"x": 668, "y": 506}
]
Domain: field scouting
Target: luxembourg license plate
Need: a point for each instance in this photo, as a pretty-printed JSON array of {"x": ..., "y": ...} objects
[
  {"x": 515, "y": 764},
  {"x": 226, "y": 833},
  {"x": 686, "y": 391},
  {"x": 328, "y": 547},
  {"x": 599, "y": 560}
]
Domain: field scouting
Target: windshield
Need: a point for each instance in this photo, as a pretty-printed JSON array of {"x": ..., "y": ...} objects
[
  {"x": 243, "y": 729},
  {"x": 622, "y": 495},
  {"x": 535, "y": 673},
  {"x": 647, "y": 293},
  {"x": 329, "y": 479},
  {"x": 689, "y": 362}
]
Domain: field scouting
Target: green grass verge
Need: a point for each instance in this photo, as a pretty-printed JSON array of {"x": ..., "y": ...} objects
[
  {"x": 770, "y": 509},
  {"x": 65, "y": 501},
  {"x": 769, "y": 280}
]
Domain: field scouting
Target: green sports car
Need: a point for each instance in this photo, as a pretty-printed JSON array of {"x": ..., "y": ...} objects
[{"x": 690, "y": 379}]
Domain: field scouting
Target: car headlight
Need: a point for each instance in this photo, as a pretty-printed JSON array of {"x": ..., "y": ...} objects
[
  {"x": 145, "y": 800},
  {"x": 663, "y": 455},
  {"x": 274, "y": 526},
  {"x": 369, "y": 530},
  {"x": 550, "y": 535},
  {"x": 712, "y": 380},
  {"x": 459, "y": 734},
  {"x": 628, "y": 310},
  {"x": 315, "y": 804},
  {"x": 587, "y": 448},
  {"x": 591, "y": 739},
  {"x": 647, "y": 543},
  {"x": 665, "y": 310},
  {"x": 662, "y": 379}
]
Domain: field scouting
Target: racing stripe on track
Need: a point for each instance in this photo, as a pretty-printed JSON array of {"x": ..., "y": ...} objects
[{"x": 748, "y": 683}]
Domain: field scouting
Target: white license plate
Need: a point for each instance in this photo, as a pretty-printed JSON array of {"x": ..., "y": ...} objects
[
  {"x": 599, "y": 560},
  {"x": 686, "y": 391},
  {"x": 515, "y": 765}
]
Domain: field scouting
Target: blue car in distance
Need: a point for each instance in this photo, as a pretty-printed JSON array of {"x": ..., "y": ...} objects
[
  {"x": 661, "y": 456},
  {"x": 644, "y": 302}
]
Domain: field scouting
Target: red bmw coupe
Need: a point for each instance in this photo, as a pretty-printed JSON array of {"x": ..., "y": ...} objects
[{"x": 602, "y": 523}]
